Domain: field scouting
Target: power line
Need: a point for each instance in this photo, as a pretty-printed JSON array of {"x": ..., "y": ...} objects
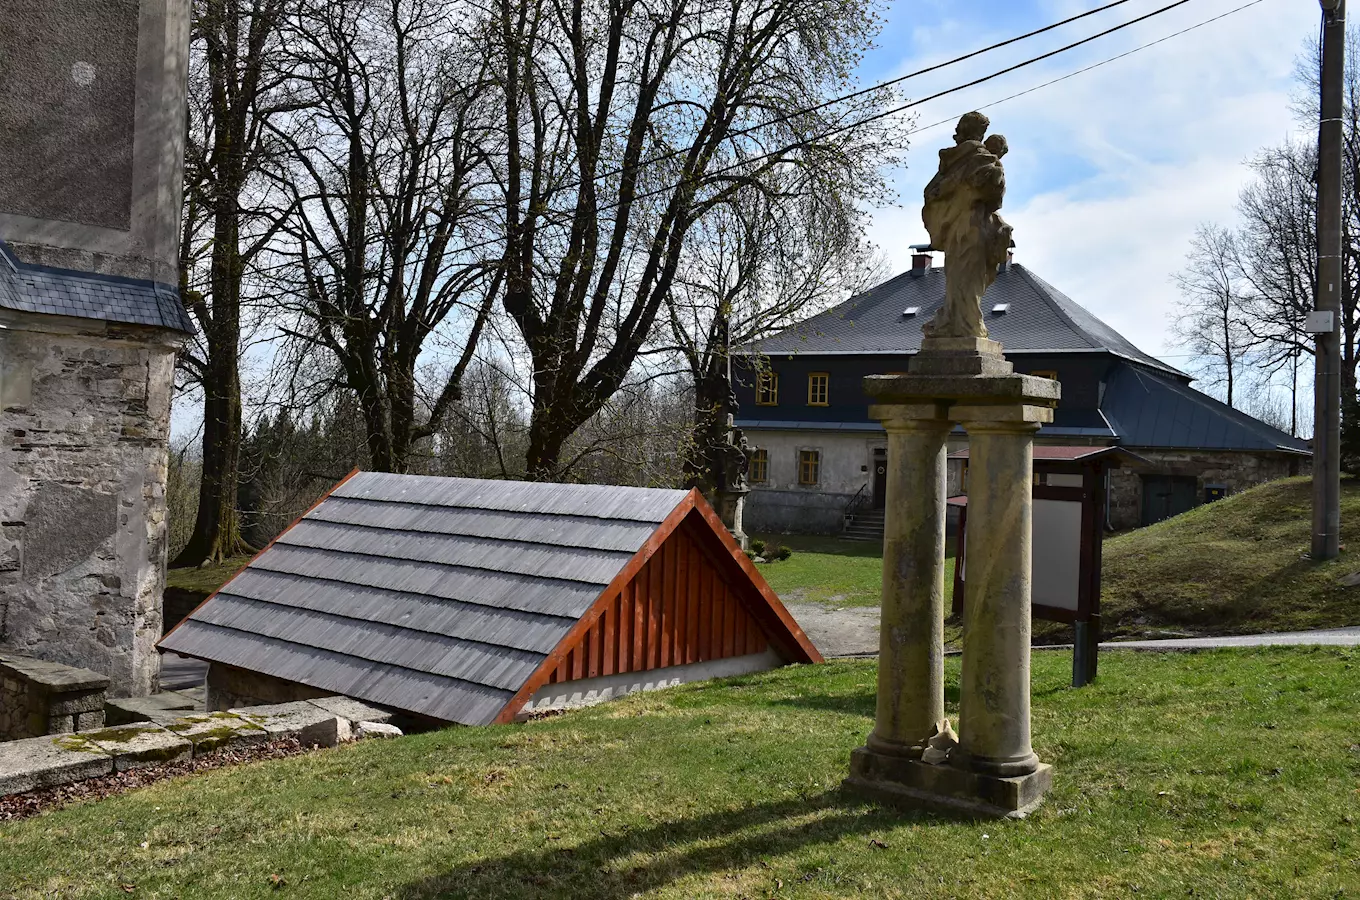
[
  {"x": 670, "y": 154},
  {"x": 906, "y": 106},
  {"x": 1092, "y": 66}
]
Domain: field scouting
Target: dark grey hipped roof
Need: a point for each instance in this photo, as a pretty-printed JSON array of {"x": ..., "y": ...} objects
[
  {"x": 61, "y": 292},
  {"x": 1147, "y": 410},
  {"x": 1040, "y": 318},
  {"x": 437, "y": 596}
]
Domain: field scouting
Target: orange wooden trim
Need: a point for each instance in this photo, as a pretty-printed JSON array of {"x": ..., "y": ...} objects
[
  {"x": 324, "y": 497},
  {"x": 772, "y": 614},
  {"x": 587, "y": 621}
]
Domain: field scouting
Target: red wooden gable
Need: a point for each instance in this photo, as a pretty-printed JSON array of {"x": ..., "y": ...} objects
[{"x": 688, "y": 595}]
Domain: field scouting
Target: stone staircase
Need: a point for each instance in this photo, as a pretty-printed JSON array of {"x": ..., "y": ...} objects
[{"x": 864, "y": 525}]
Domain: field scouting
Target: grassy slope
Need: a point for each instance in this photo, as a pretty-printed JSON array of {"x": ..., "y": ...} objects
[
  {"x": 1232, "y": 567},
  {"x": 205, "y": 580},
  {"x": 1229, "y": 774}
]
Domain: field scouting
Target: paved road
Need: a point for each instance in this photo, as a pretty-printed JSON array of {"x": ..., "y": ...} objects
[
  {"x": 853, "y": 631},
  {"x": 1335, "y": 637}
]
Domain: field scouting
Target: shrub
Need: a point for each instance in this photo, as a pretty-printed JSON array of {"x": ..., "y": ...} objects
[{"x": 757, "y": 547}]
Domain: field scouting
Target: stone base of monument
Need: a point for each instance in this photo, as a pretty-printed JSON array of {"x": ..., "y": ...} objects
[{"x": 944, "y": 788}]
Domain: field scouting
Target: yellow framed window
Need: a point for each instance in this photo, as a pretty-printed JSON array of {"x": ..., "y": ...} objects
[
  {"x": 809, "y": 466},
  {"x": 818, "y": 388},
  {"x": 760, "y": 466},
  {"x": 1045, "y": 373},
  {"x": 767, "y": 389}
]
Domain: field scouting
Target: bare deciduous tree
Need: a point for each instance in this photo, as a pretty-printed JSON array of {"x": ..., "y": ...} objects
[
  {"x": 230, "y": 220},
  {"x": 625, "y": 123},
  {"x": 385, "y": 171}
]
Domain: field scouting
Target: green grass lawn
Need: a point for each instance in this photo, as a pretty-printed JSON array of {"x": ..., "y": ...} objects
[
  {"x": 834, "y": 571},
  {"x": 1226, "y": 774}
]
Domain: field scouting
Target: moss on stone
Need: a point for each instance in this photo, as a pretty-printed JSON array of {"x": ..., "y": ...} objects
[
  {"x": 77, "y": 744},
  {"x": 119, "y": 735}
]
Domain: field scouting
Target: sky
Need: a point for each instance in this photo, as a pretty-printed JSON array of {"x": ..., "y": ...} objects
[{"x": 1110, "y": 171}]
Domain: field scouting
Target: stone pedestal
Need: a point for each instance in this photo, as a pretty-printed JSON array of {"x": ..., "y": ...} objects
[
  {"x": 993, "y": 771},
  {"x": 730, "y": 507}
]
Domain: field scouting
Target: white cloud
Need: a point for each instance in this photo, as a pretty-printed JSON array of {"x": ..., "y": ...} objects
[{"x": 1110, "y": 171}]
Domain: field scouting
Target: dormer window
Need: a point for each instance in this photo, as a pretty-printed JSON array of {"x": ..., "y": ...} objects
[
  {"x": 1001, "y": 309},
  {"x": 911, "y": 311}
]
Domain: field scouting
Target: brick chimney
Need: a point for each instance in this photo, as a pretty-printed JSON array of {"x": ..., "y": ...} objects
[{"x": 920, "y": 259}]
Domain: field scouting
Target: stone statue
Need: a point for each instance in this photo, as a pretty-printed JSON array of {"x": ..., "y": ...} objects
[{"x": 960, "y": 214}]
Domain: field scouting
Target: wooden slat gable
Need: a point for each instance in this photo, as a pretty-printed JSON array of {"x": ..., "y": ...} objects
[
  {"x": 688, "y": 595},
  {"x": 691, "y": 616}
]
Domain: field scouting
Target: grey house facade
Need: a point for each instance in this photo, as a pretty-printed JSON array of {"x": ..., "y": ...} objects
[{"x": 818, "y": 453}]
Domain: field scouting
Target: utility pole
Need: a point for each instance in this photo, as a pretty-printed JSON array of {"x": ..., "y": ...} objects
[{"x": 1325, "y": 322}]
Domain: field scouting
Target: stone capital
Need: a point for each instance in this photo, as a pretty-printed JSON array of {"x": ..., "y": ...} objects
[
  {"x": 912, "y": 416},
  {"x": 1017, "y": 418}
]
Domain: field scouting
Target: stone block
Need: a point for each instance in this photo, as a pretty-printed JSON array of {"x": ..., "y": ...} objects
[
  {"x": 907, "y": 782},
  {"x": 135, "y": 746},
  {"x": 75, "y": 702},
  {"x": 49, "y": 761},
  {"x": 87, "y": 720},
  {"x": 353, "y": 710},
  {"x": 311, "y": 725},
  {"x": 376, "y": 730},
  {"x": 59, "y": 724},
  {"x": 214, "y": 731}
]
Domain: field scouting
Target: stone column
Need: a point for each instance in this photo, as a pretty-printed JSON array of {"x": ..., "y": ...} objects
[
  {"x": 994, "y": 703},
  {"x": 911, "y": 632}
]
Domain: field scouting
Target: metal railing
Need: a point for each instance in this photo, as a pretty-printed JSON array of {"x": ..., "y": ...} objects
[{"x": 856, "y": 503}]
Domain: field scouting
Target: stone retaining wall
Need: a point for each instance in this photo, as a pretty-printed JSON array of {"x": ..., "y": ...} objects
[{"x": 38, "y": 698}]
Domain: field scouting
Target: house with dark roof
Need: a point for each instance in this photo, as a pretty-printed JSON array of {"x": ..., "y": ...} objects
[
  {"x": 818, "y": 456},
  {"x": 469, "y": 601}
]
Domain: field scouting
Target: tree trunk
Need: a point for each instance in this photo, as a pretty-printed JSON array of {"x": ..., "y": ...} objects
[{"x": 217, "y": 527}]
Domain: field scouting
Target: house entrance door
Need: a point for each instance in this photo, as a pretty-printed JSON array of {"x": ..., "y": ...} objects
[{"x": 880, "y": 481}]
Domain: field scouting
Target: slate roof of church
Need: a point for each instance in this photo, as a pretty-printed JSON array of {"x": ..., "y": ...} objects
[
  {"x": 1038, "y": 318},
  {"x": 63, "y": 292},
  {"x": 438, "y": 596}
]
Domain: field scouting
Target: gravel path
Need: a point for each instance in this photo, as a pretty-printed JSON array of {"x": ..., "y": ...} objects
[{"x": 853, "y": 631}]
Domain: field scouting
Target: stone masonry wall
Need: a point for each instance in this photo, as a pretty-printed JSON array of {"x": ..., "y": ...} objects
[
  {"x": 230, "y": 687},
  {"x": 1238, "y": 470},
  {"x": 38, "y": 698},
  {"x": 84, "y": 427}
]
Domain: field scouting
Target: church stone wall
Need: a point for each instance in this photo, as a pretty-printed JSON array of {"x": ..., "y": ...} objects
[{"x": 84, "y": 427}]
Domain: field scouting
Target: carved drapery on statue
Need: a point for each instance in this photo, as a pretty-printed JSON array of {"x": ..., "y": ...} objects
[{"x": 960, "y": 214}]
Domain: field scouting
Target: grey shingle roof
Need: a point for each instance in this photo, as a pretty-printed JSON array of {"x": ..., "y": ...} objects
[
  {"x": 438, "y": 596},
  {"x": 1149, "y": 411},
  {"x": 61, "y": 292},
  {"x": 1040, "y": 318}
]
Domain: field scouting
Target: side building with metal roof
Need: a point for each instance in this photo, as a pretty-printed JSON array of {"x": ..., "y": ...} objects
[
  {"x": 819, "y": 459},
  {"x": 476, "y": 602}
]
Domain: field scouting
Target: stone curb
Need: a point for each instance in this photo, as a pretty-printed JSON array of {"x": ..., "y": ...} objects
[{"x": 57, "y": 759}]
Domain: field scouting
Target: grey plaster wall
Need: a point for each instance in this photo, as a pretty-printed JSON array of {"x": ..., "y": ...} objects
[
  {"x": 92, "y": 120},
  {"x": 84, "y": 425}
]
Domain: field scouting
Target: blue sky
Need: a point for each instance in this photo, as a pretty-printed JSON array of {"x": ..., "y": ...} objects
[{"x": 1110, "y": 171}]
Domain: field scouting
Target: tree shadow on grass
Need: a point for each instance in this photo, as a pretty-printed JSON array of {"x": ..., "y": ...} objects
[{"x": 623, "y": 865}]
